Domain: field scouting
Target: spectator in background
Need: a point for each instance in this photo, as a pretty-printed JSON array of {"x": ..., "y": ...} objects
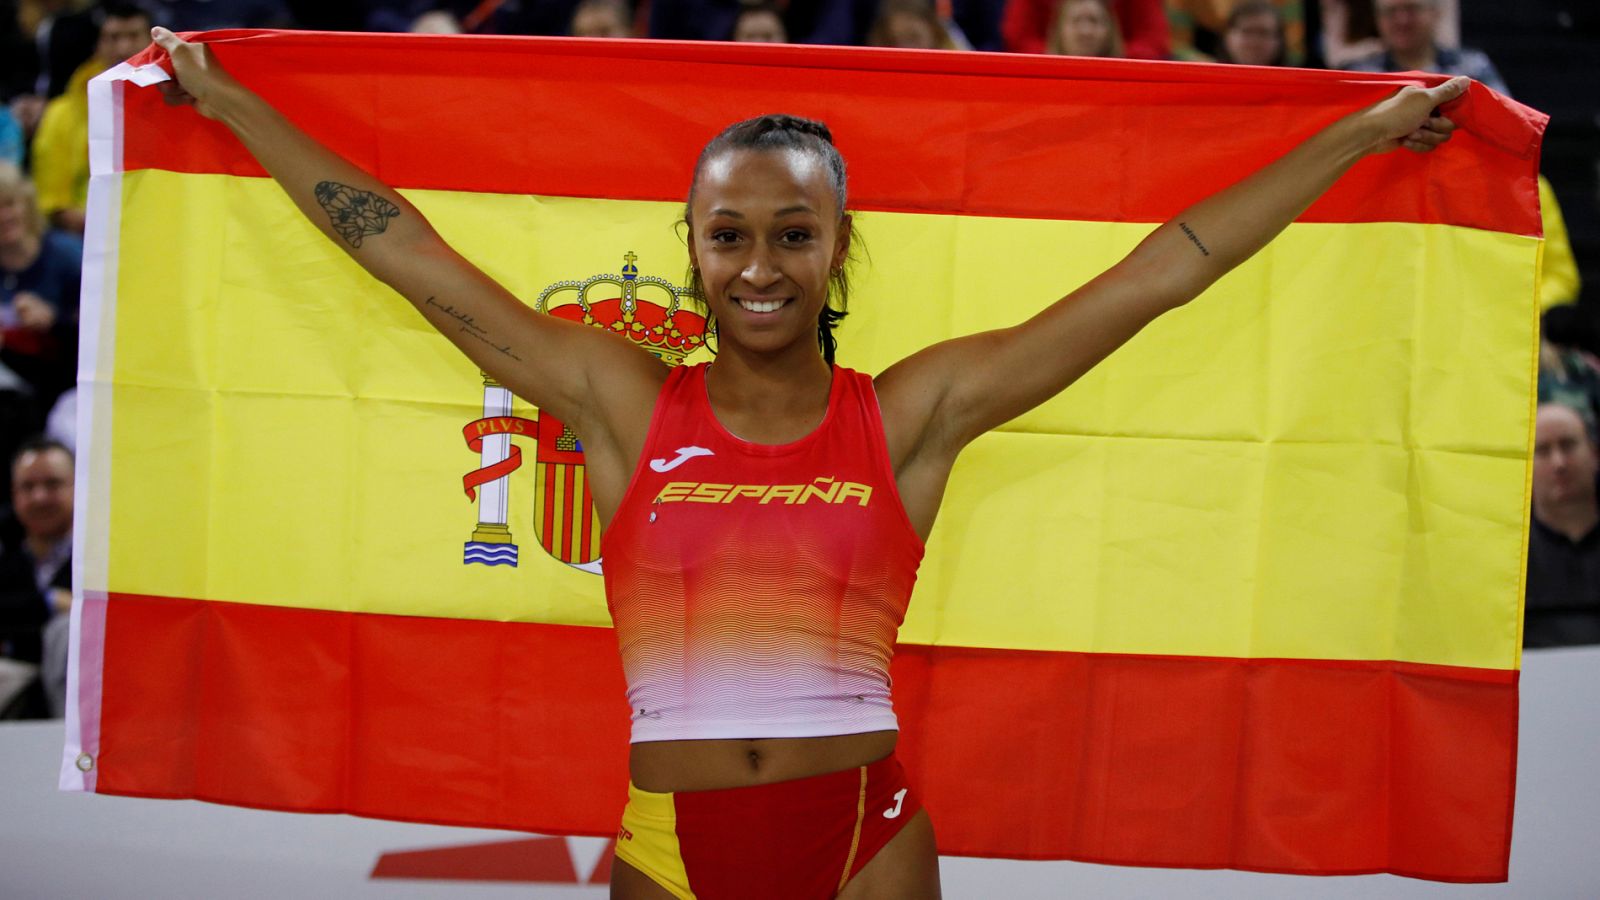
[
  {"x": 39, "y": 277},
  {"x": 1254, "y": 35},
  {"x": 19, "y": 60},
  {"x": 1200, "y": 28},
  {"x": 27, "y": 109},
  {"x": 209, "y": 15},
  {"x": 1563, "y": 592},
  {"x": 19, "y": 69},
  {"x": 759, "y": 25},
  {"x": 1084, "y": 28},
  {"x": 1143, "y": 24},
  {"x": 1350, "y": 29},
  {"x": 978, "y": 23},
  {"x": 1558, "y": 271},
  {"x": 469, "y": 16},
  {"x": 330, "y": 15},
  {"x": 602, "y": 19},
  {"x": 909, "y": 25},
  {"x": 42, "y": 43},
  {"x": 36, "y": 562},
  {"x": 844, "y": 22},
  {"x": 61, "y": 145},
  {"x": 435, "y": 21},
  {"x": 62, "y": 423},
  {"x": 1568, "y": 373},
  {"x": 63, "y": 34},
  {"x": 13, "y": 141},
  {"x": 19, "y": 417},
  {"x": 1408, "y": 30}
]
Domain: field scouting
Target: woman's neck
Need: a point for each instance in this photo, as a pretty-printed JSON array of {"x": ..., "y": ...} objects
[
  {"x": 766, "y": 399},
  {"x": 763, "y": 377}
]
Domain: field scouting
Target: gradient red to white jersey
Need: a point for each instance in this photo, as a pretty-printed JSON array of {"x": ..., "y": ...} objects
[{"x": 756, "y": 588}]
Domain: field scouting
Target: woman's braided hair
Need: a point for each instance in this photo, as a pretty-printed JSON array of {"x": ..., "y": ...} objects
[{"x": 784, "y": 132}]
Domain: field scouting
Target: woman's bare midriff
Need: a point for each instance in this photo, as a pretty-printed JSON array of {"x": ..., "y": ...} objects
[{"x": 667, "y": 766}]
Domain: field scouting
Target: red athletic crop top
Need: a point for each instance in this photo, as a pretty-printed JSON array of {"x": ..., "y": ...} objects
[{"x": 757, "y": 589}]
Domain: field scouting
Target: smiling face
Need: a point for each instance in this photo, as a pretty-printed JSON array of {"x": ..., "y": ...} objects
[{"x": 765, "y": 233}]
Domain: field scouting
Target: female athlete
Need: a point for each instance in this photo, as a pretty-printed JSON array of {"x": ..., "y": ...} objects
[{"x": 756, "y": 630}]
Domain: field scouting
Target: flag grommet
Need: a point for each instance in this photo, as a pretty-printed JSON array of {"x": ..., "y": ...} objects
[{"x": 85, "y": 762}]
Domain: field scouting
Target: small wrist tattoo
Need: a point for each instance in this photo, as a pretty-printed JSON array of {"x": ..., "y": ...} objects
[
  {"x": 356, "y": 215},
  {"x": 1194, "y": 238}
]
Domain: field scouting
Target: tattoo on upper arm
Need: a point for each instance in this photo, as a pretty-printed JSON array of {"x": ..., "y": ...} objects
[
  {"x": 1194, "y": 238},
  {"x": 470, "y": 327},
  {"x": 355, "y": 214}
]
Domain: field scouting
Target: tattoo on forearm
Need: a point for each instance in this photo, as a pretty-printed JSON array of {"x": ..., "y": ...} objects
[
  {"x": 1194, "y": 238},
  {"x": 448, "y": 309},
  {"x": 356, "y": 215},
  {"x": 471, "y": 328},
  {"x": 503, "y": 350}
]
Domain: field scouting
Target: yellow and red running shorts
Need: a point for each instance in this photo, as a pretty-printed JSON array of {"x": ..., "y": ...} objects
[{"x": 790, "y": 840}]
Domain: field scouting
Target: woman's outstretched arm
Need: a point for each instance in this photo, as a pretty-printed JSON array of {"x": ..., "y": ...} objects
[
  {"x": 550, "y": 362},
  {"x": 938, "y": 400}
]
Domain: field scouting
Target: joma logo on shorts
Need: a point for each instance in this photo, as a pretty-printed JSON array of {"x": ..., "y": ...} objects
[
  {"x": 823, "y": 489},
  {"x": 624, "y": 834}
]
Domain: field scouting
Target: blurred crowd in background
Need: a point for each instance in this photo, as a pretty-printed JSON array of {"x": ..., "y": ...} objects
[{"x": 50, "y": 49}]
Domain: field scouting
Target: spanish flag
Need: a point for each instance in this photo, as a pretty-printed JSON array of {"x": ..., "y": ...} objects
[{"x": 1248, "y": 595}]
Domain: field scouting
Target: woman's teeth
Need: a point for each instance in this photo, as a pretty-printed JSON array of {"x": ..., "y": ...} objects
[{"x": 762, "y": 306}]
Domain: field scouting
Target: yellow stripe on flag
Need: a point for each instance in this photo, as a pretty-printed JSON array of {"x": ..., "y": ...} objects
[{"x": 1311, "y": 461}]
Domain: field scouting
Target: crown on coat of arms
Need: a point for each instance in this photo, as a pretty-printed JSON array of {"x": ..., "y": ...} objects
[{"x": 667, "y": 329}]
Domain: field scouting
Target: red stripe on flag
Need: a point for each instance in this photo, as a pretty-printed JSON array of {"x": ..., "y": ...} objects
[
  {"x": 1273, "y": 765},
  {"x": 438, "y": 720},
  {"x": 1309, "y": 766},
  {"x": 970, "y": 134}
]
